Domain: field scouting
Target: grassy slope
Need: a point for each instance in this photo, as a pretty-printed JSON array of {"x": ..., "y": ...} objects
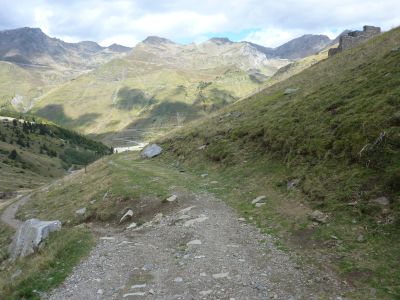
[
  {"x": 15, "y": 80},
  {"x": 89, "y": 103},
  {"x": 44, "y": 152},
  {"x": 343, "y": 105}
]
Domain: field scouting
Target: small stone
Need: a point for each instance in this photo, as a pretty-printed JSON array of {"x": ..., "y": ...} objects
[
  {"x": 258, "y": 199},
  {"x": 172, "y": 198},
  {"x": 151, "y": 292},
  {"x": 290, "y": 91},
  {"x": 100, "y": 292},
  {"x": 205, "y": 293},
  {"x": 81, "y": 211},
  {"x": 126, "y": 216},
  {"x": 138, "y": 286},
  {"x": 134, "y": 294},
  {"x": 220, "y": 275},
  {"x": 200, "y": 219},
  {"x": 132, "y": 225},
  {"x": 383, "y": 201},
  {"x": 204, "y": 175},
  {"x": 259, "y": 204},
  {"x": 202, "y": 274},
  {"x": 242, "y": 219},
  {"x": 178, "y": 279},
  {"x": 318, "y": 216},
  {"x": 360, "y": 238},
  {"x": 292, "y": 184},
  {"x": 194, "y": 242},
  {"x": 202, "y": 147}
]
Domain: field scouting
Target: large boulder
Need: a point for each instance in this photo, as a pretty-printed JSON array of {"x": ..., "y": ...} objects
[
  {"x": 30, "y": 236},
  {"x": 151, "y": 150}
]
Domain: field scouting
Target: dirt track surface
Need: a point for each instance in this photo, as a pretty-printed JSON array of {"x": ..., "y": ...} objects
[{"x": 197, "y": 250}]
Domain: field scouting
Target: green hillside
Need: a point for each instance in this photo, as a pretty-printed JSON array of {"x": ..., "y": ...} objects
[
  {"x": 333, "y": 132},
  {"x": 33, "y": 152},
  {"x": 157, "y": 87}
]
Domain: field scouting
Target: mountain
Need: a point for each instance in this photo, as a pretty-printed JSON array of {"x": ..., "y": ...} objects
[
  {"x": 157, "y": 86},
  {"x": 302, "y": 46},
  {"x": 297, "y": 48},
  {"x": 30, "y": 46}
]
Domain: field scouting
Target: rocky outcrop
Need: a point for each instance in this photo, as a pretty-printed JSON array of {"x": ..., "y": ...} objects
[
  {"x": 353, "y": 38},
  {"x": 30, "y": 236},
  {"x": 151, "y": 150}
]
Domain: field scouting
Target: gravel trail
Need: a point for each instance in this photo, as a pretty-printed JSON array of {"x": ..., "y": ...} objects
[{"x": 198, "y": 250}]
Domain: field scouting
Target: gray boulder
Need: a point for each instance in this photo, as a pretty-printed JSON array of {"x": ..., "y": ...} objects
[
  {"x": 30, "y": 236},
  {"x": 151, "y": 150}
]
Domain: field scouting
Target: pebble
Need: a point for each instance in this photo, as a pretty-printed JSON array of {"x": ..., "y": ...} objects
[
  {"x": 194, "y": 242},
  {"x": 134, "y": 294},
  {"x": 205, "y": 293},
  {"x": 178, "y": 279},
  {"x": 172, "y": 198},
  {"x": 138, "y": 286},
  {"x": 258, "y": 199},
  {"x": 200, "y": 219},
  {"x": 220, "y": 275}
]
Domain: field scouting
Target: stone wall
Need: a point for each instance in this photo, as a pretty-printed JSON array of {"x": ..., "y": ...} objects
[{"x": 354, "y": 38}]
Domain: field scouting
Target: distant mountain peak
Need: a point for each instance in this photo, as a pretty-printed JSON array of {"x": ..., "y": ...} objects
[
  {"x": 156, "y": 40},
  {"x": 220, "y": 40},
  {"x": 118, "y": 48}
]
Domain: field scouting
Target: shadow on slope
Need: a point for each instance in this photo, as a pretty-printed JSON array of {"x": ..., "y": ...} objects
[{"x": 56, "y": 113}]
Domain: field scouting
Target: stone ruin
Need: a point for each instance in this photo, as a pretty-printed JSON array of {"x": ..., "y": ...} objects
[{"x": 353, "y": 38}]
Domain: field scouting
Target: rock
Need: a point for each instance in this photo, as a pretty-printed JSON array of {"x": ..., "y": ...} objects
[
  {"x": 172, "y": 198},
  {"x": 81, "y": 211},
  {"x": 138, "y": 286},
  {"x": 259, "y": 204},
  {"x": 194, "y": 242},
  {"x": 205, "y": 293},
  {"x": 318, "y": 216},
  {"x": 178, "y": 279},
  {"x": 151, "y": 292},
  {"x": 200, "y": 219},
  {"x": 126, "y": 216},
  {"x": 132, "y": 225},
  {"x": 220, "y": 275},
  {"x": 16, "y": 274},
  {"x": 100, "y": 291},
  {"x": 151, "y": 151},
  {"x": 360, "y": 238},
  {"x": 293, "y": 184},
  {"x": 202, "y": 147},
  {"x": 258, "y": 199},
  {"x": 204, "y": 175},
  {"x": 290, "y": 91},
  {"x": 242, "y": 219},
  {"x": 157, "y": 218},
  {"x": 383, "y": 201},
  {"x": 30, "y": 236},
  {"x": 134, "y": 294}
]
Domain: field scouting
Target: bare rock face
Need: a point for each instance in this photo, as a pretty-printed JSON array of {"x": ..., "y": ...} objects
[
  {"x": 30, "y": 236},
  {"x": 151, "y": 150}
]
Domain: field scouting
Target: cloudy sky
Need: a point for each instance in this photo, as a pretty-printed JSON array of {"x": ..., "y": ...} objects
[{"x": 266, "y": 22}]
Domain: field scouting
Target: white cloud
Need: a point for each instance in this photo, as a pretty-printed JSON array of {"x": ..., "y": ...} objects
[
  {"x": 272, "y": 37},
  {"x": 132, "y": 20}
]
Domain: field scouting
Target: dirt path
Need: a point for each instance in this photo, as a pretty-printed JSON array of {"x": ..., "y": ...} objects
[
  {"x": 8, "y": 216},
  {"x": 198, "y": 250}
]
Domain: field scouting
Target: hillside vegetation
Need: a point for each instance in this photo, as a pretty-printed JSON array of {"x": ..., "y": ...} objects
[
  {"x": 33, "y": 152},
  {"x": 160, "y": 85},
  {"x": 333, "y": 133}
]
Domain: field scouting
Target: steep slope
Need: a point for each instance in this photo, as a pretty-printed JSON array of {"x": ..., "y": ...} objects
[
  {"x": 329, "y": 135},
  {"x": 33, "y": 152},
  {"x": 158, "y": 86}
]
